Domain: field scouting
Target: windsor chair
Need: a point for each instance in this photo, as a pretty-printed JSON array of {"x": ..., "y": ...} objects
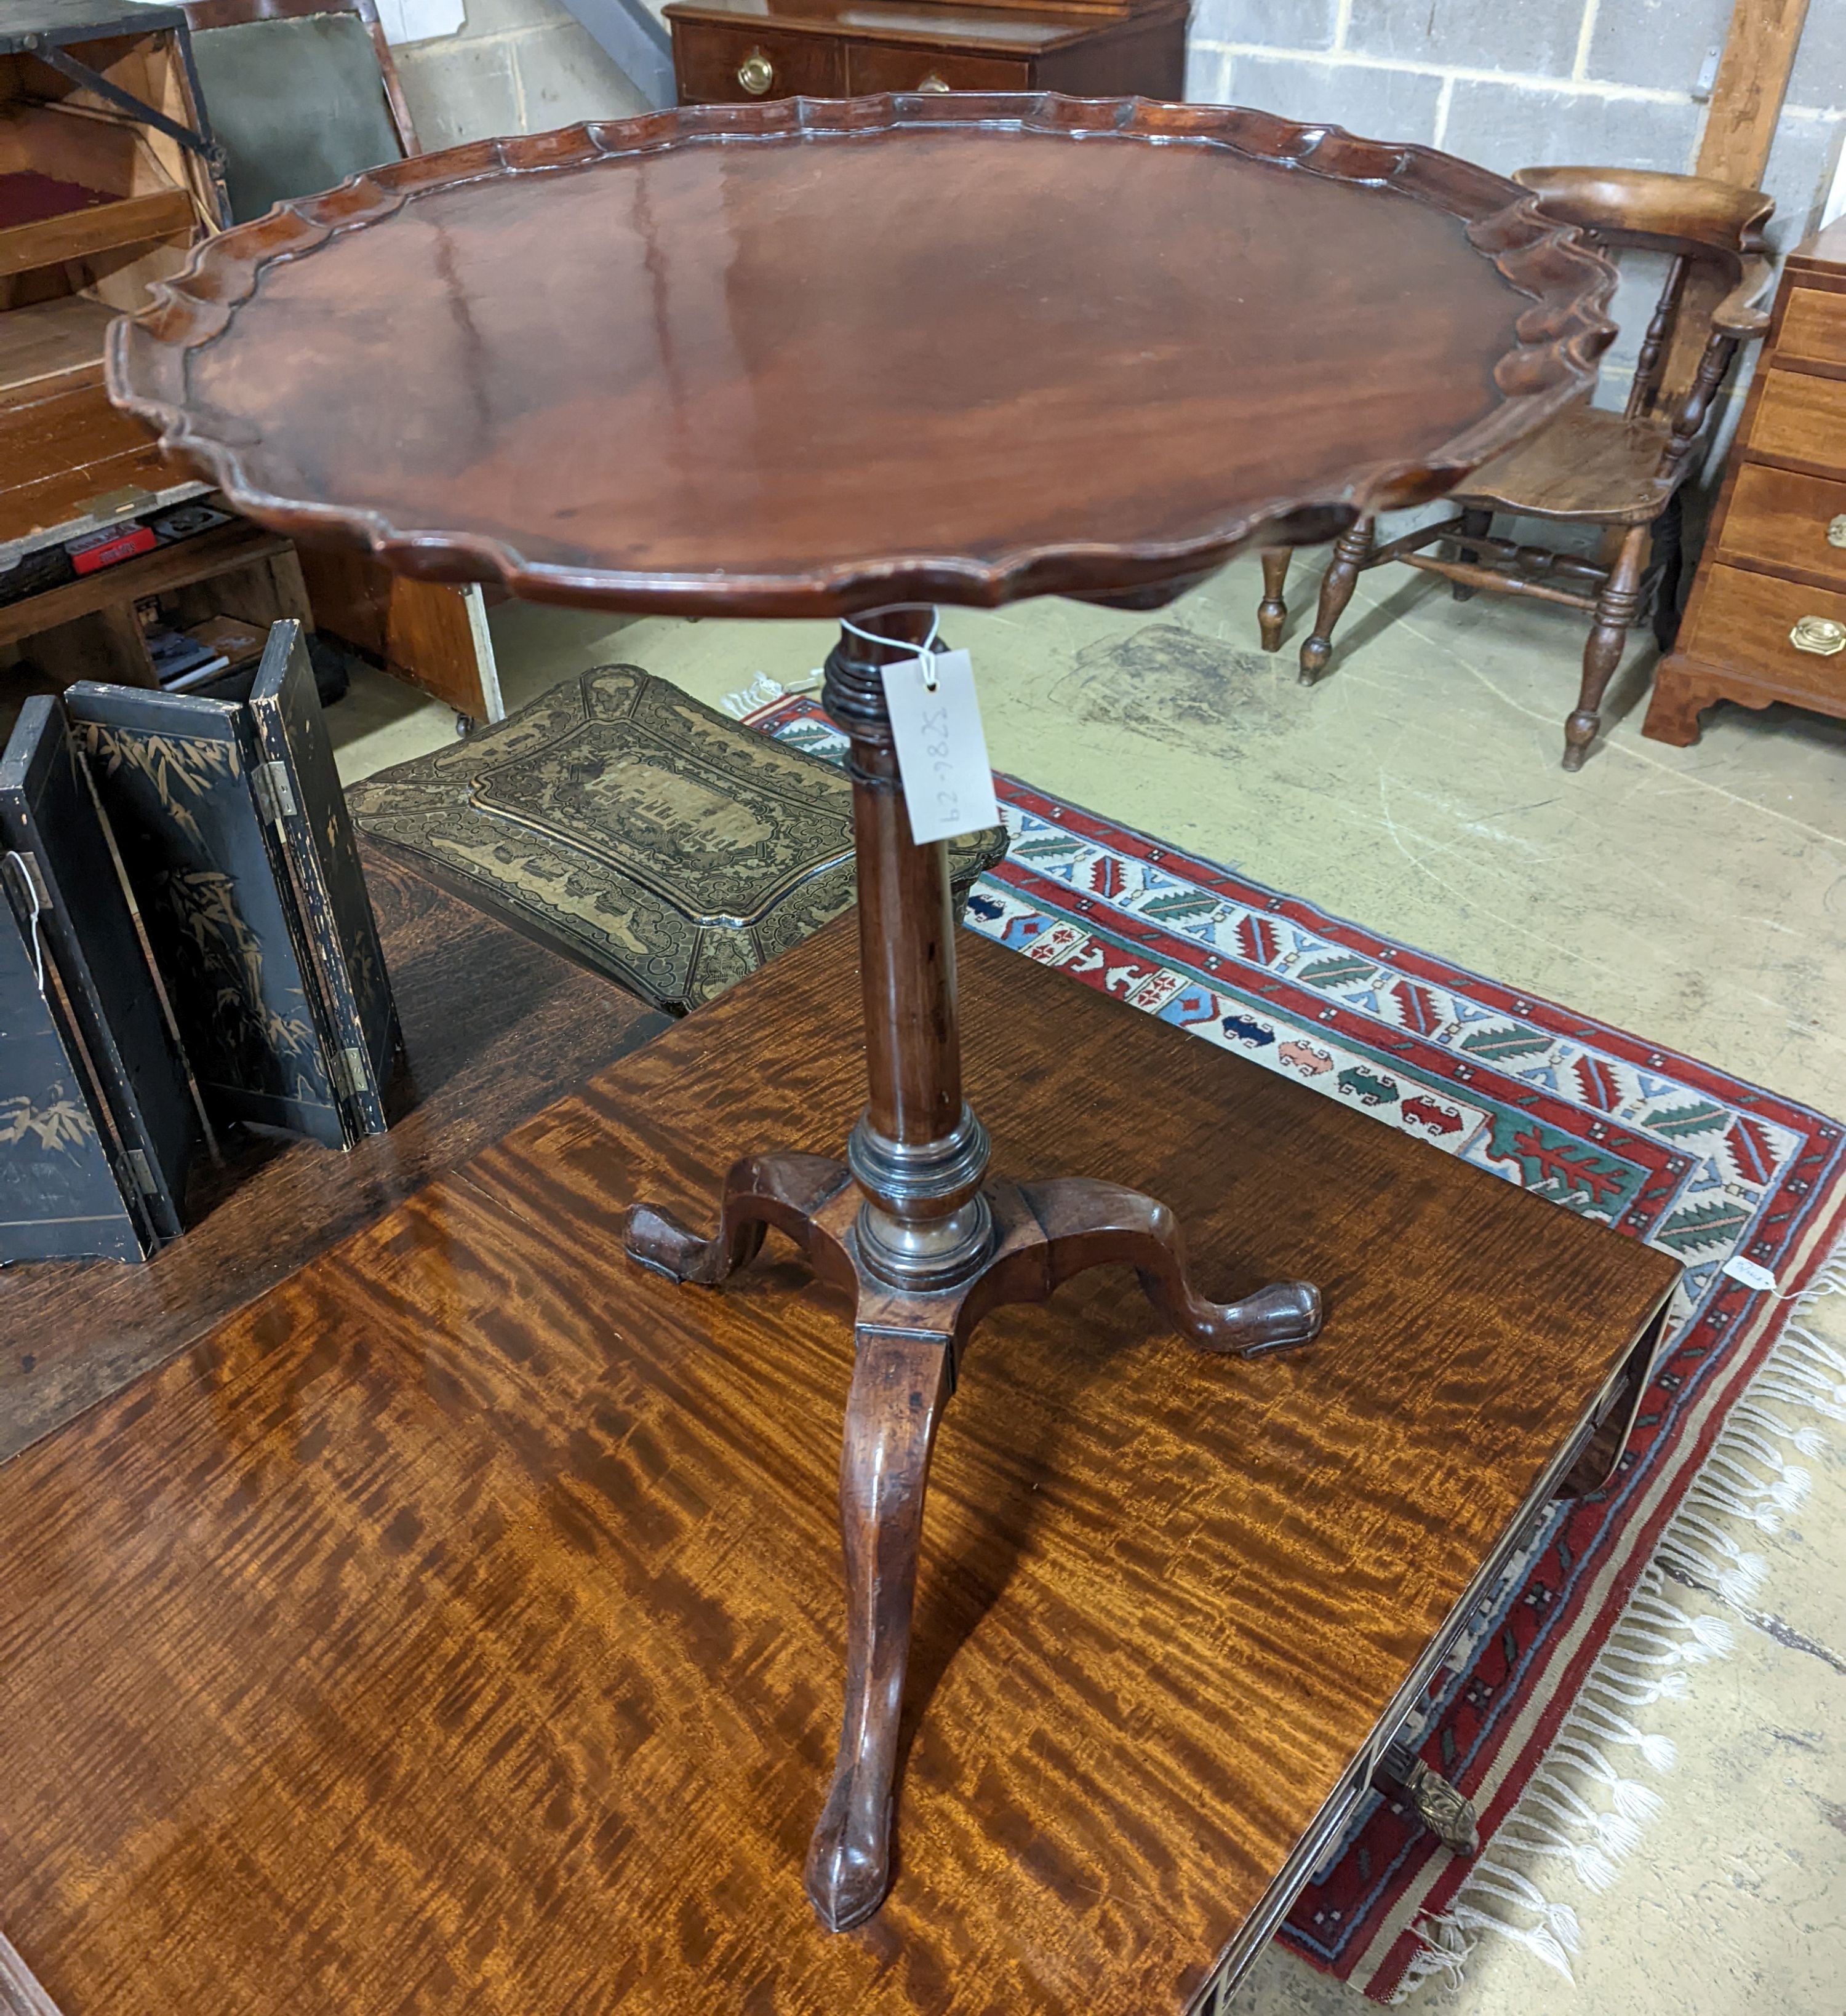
[{"x": 1623, "y": 471}]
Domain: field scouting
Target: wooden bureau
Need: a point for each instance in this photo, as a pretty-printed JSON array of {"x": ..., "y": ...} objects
[
  {"x": 1766, "y": 619},
  {"x": 730, "y": 51}
]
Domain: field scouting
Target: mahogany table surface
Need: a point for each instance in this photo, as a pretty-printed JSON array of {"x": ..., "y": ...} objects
[
  {"x": 459, "y": 1627},
  {"x": 806, "y": 356},
  {"x": 496, "y": 1026}
]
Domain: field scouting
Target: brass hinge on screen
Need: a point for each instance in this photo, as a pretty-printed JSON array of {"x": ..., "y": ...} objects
[{"x": 275, "y": 795}]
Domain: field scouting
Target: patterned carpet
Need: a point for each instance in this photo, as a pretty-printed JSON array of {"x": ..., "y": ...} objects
[{"x": 1536, "y": 1719}]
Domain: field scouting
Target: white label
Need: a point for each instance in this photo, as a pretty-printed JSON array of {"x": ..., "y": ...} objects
[
  {"x": 1752, "y": 1275},
  {"x": 941, "y": 755}
]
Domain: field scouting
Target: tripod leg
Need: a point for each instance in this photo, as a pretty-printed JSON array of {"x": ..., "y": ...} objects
[
  {"x": 782, "y": 1190},
  {"x": 900, "y": 1385},
  {"x": 1090, "y": 1224}
]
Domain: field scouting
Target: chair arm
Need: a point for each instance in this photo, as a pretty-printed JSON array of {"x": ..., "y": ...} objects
[{"x": 1737, "y": 314}]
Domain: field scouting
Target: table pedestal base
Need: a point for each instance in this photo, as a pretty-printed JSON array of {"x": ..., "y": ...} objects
[
  {"x": 908, "y": 1341},
  {"x": 911, "y": 1223}
]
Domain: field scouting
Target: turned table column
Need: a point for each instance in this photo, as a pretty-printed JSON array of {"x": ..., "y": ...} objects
[{"x": 918, "y": 1153}]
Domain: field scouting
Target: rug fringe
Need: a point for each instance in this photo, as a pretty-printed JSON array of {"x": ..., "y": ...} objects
[{"x": 1749, "y": 1476}]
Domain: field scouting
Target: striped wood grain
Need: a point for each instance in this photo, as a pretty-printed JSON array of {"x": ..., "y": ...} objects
[{"x": 461, "y": 1627}]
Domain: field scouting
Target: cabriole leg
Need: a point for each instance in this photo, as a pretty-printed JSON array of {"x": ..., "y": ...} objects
[
  {"x": 900, "y": 1385},
  {"x": 931, "y": 1244}
]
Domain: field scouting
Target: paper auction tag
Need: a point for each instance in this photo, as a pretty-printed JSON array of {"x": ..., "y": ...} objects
[
  {"x": 1751, "y": 1274},
  {"x": 941, "y": 755}
]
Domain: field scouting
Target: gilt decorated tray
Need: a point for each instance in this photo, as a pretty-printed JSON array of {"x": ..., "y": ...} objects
[{"x": 814, "y": 357}]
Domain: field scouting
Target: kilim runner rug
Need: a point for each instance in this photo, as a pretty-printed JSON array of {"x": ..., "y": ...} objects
[{"x": 1539, "y": 1718}]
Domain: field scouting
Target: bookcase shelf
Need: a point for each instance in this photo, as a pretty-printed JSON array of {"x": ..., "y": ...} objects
[{"x": 88, "y": 629}]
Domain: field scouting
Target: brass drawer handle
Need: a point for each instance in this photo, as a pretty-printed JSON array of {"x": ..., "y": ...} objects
[
  {"x": 1835, "y": 532},
  {"x": 933, "y": 83},
  {"x": 756, "y": 74},
  {"x": 1821, "y": 634}
]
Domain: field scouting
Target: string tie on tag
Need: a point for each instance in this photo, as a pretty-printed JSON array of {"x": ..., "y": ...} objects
[{"x": 925, "y": 652}]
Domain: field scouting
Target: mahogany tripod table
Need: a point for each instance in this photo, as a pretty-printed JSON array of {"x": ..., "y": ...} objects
[{"x": 856, "y": 359}]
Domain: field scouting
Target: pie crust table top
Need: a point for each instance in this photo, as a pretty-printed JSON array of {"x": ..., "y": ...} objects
[{"x": 810, "y": 357}]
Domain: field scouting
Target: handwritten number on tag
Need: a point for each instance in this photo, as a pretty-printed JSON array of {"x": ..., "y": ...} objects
[{"x": 942, "y": 754}]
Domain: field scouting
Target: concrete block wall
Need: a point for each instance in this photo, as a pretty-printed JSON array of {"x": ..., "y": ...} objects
[
  {"x": 1529, "y": 82},
  {"x": 1524, "y": 82},
  {"x": 517, "y": 66}
]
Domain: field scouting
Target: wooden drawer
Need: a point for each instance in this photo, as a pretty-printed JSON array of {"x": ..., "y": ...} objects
[
  {"x": 1803, "y": 420},
  {"x": 56, "y": 499},
  {"x": 1813, "y": 327},
  {"x": 883, "y": 66},
  {"x": 61, "y": 443},
  {"x": 1744, "y": 620},
  {"x": 707, "y": 59},
  {"x": 1778, "y": 519}
]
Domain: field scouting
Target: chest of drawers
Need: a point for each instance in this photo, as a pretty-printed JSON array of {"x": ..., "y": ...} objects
[
  {"x": 730, "y": 51},
  {"x": 1766, "y": 619}
]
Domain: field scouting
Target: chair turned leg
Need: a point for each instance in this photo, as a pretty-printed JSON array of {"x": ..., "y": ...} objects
[
  {"x": 1615, "y": 611},
  {"x": 1352, "y": 553},
  {"x": 900, "y": 1385},
  {"x": 1475, "y": 524},
  {"x": 1272, "y": 611}
]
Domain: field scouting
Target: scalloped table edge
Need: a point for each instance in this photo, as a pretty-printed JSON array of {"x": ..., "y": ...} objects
[{"x": 1561, "y": 336}]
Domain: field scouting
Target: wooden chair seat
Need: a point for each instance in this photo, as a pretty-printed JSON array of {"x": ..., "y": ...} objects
[{"x": 1598, "y": 466}]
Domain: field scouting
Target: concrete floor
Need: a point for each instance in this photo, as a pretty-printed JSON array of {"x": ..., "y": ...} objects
[{"x": 1697, "y": 896}]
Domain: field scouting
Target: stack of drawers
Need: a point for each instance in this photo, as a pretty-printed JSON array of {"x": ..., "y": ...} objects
[
  {"x": 730, "y": 51},
  {"x": 1767, "y": 617}
]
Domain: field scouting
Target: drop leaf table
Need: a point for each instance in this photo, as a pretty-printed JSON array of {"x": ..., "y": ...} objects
[{"x": 858, "y": 358}]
